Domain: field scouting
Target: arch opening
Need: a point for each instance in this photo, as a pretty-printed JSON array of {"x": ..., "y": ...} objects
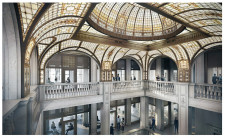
[
  {"x": 127, "y": 68},
  {"x": 205, "y": 65},
  {"x": 163, "y": 68},
  {"x": 70, "y": 67}
]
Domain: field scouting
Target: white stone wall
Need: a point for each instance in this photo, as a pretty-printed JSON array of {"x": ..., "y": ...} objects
[
  {"x": 11, "y": 63},
  {"x": 198, "y": 75},
  {"x": 34, "y": 68}
]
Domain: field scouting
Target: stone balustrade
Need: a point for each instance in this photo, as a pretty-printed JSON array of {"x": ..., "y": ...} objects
[
  {"x": 122, "y": 86},
  {"x": 208, "y": 91},
  {"x": 26, "y": 110},
  {"x": 30, "y": 106},
  {"x": 57, "y": 91},
  {"x": 69, "y": 90},
  {"x": 162, "y": 87}
]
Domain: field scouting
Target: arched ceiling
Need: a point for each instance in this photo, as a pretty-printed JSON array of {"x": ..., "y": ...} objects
[
  {"x": 132, "y": 21},
  {"x": 28, "y": 12},
  {"x": 55, "y": 31},
  {"x": 207, "y": 17}
]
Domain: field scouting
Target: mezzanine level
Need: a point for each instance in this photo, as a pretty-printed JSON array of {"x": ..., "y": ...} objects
[{"x": 55, "y": 96}]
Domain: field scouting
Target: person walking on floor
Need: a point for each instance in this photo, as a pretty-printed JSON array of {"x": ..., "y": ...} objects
[
  {"x": 123, "y": 124},
  {"x": 118, "y": 123},
  {"x": 153, "y": 124},
  {"x": 176, "y": 125},
  {"x": 111, "y": 129}
]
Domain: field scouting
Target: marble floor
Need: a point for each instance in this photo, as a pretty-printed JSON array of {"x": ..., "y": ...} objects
[{"x": 134, "y": 129}]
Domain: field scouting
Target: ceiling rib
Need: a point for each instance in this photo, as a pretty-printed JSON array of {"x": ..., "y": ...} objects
[{"x": 172, "y": 17}]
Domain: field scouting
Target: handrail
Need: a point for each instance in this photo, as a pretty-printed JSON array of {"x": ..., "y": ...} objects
[
  {"x": 120, "y": 86},
  {"x": 162, "y": 87},
  {"x": 57, "y": 91},
  {"x": 69, "y": 90},
  {"x": 11, "y": 106},
  {"x": 208, "y": 91},
  {"x": 65, "y": 84}
]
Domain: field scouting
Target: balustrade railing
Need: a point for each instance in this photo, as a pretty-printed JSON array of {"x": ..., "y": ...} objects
[
  {"x": 36, "y": 108},
  {"x": 32, "y": 112},
  {"x": 8, "y": 124},
  {"x": 162, "y": 87},
  {"x": 208, "y": 91},
  {"x": 70, "y": 90},
  {"x": 120, "y": 86}
]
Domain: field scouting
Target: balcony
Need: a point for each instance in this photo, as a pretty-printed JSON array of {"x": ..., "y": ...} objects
[{"x": 49, "y": 97}]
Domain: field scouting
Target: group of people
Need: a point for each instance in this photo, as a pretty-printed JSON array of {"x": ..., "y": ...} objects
[
  {"x": 160, "y": 78},
  {"x": 217, "y": 79},
  {"x": 116, "y": 78},
  {"x": 54, "y": 130},
  {"x": 152, "y": 126},
  {"x": 119, "y": 125},
  {"x": 49, "y": 81}
]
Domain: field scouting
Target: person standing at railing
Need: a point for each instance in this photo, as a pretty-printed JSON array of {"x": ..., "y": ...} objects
[
  {"x": 134, "y": 78},
  {"x": 118, "y": 77},
  {"x": 157, "y": 78},
  {"x": 162, "y": 78},
  {"x": 220, "y": 79},
  {"x": 214, "y": 79},
  {"x": 113, "y": 78},
  {"x": 68, "y": 80}
]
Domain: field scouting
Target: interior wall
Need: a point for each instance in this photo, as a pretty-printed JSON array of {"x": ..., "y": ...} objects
[
  {"x": 11, "y": 53},
  {"x": 163, "y": 66},
  {"x": 214, "y": 64},
  {"x": 205, "y": 65},
  {"x": 198, "y": 76},
  {"x": 207, "y": 122},
  {"x": 34, "y": 68}
]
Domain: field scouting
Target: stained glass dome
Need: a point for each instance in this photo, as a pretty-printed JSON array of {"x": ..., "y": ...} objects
[{"x": 132, "y": 21}]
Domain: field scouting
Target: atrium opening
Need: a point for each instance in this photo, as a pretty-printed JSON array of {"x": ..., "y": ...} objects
[{"x": 112, "y": 68}]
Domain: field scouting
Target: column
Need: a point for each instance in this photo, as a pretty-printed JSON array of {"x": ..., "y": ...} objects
[
  {"x": 116, "y": 114},
  {"x": 144, "y": 122},
  {"x": 93, "y": 119},
  {"x": 105, "y": 88},
  {"x": 47, "y": 127},
  {"x": 93, "y": 70},
  {"x": 172, "y": 113},
  {"x": 158, "y": 67},
  {"x": 159, "y": 114},
  {"x": 169, "y": 113},
  {"x": 128, "y": 69},
  {"x": 105, "y": 119},
  {"x": 128, "y": 111},
  {"x": 182, "y": 89},
  {"x": 85, "y": 122},
  {"x": 20, "y": 119}
]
